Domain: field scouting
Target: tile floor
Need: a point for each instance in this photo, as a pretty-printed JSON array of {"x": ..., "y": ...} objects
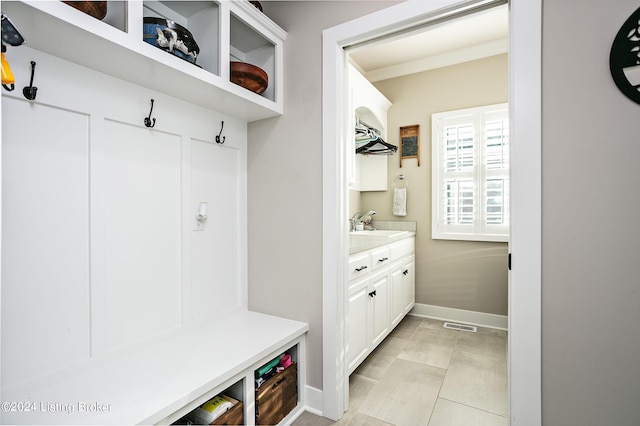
[{"x": 425, "y": 374}]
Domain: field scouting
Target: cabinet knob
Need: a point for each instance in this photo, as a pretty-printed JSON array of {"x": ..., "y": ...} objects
[
  {"x": 361, "y": 268},
  {"x": 373, "y": 293},
  {"x": 405, "y": 272},
  {"x": 383, "y": 259}
]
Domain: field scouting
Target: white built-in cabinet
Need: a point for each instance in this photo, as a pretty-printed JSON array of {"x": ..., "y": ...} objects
[
  {"x": 367, "y": 172},
  {"x": 381, "y": 291},
  {"x": 113, "y": 292},
  {"x": 224, "y": 30}
]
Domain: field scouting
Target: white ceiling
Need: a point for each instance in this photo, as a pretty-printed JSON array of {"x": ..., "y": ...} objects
[{"x": 476, "y": 36}]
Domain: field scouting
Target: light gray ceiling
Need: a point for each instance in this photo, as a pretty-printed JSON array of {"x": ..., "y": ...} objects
[{"x": 471, "y": 37}]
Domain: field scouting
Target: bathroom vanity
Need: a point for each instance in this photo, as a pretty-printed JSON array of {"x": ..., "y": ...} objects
[{"x": 381, "y": 288}]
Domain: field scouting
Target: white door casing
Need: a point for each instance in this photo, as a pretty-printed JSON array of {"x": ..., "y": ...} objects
[{"x": 525, "y": 44}]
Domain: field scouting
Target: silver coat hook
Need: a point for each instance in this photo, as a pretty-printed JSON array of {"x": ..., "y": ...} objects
[{"x": 147, "y": 120}]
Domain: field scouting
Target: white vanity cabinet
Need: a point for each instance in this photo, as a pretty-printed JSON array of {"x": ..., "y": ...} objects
[{"x": 380, "y": 293}]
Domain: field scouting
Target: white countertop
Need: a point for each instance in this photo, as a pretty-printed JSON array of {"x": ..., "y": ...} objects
[{"x": 365, "y": 241}]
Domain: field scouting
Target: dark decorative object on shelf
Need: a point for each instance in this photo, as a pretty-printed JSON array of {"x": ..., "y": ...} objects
[
  {"x": 249, "y": 76},
  {"x": 624, "y": 59},
  {"x": 171, "y": 37},
  {"x": 97, "y": 9},
  {"x": 257, "y": 5}
]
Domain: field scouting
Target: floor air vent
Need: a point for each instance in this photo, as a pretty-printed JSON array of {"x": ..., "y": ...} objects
[{"x": 461, "y": 327}]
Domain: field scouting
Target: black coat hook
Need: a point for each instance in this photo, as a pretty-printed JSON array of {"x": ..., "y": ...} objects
[
  {"x": 218, "y": 136},
  {"x": 30, "y": 91},
  {"x": 147, "y": 120}
]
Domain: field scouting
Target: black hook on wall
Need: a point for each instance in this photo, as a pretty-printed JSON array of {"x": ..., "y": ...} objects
[
  {"x": 219, "y": 134},
  {"x": 147, "y": 120},
  {"x": 30, "y": 91}
]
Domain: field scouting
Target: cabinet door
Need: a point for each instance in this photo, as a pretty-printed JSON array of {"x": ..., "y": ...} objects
[
  {"x": 379, "y": 299},
  {"x": 373, "y": 172},
  {"x": 398, "y": 298},
  {"x": 408, "y": 283},
  {"x": 358, "y": 318}
]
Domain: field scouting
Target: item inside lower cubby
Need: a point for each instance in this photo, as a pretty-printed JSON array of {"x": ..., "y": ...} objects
[
  {"x": 225, "y": 408},
  {"x": 276, "y": 387}
]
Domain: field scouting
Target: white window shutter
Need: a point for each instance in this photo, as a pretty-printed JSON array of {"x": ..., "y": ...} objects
[{"x": 470, "y": 187}]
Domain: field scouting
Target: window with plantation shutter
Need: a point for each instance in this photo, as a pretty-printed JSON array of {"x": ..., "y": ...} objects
[{"x": 471, "y": 174}]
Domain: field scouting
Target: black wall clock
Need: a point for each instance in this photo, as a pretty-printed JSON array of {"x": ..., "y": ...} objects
[{"x": 624, "y": 59}]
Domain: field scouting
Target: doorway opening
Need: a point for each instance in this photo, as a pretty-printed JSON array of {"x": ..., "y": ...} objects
[{"x": 524, "y": 99}]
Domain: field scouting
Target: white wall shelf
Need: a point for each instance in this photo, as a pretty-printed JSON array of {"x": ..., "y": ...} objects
[
  {"x": 367, "y": 172},
  {"x": 115, "y": 46}
]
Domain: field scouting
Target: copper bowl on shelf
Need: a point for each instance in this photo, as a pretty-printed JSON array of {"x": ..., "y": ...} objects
[
  {"x": 249, "y": 76},
  {"x": 97, "y": 9}
]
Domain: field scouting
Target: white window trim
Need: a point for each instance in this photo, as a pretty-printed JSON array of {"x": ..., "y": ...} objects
[{"x": 479, "y": 230}]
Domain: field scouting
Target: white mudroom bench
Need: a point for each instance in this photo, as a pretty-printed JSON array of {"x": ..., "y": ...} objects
[{"x": 164, "y": 380}]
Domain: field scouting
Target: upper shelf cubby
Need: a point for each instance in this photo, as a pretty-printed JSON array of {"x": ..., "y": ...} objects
[
  {"x": 200, "y": 18},
  {"x": 249, "y": 46},
  {"x": 224, "y": 31}
]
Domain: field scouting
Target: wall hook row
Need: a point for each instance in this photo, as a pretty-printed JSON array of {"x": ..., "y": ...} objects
[
  {"x": 30, "y": 91},
  {"x": 147, "y": 120},
  {"x": 218, "y": 140}
]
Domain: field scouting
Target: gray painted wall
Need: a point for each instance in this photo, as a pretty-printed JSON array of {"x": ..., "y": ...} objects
[
  {"x": 591, "y": 146},
  {"x": 590, "y": 210},
  {"x": 467, "y": 275},
  {"x": 285, "y": 176}
]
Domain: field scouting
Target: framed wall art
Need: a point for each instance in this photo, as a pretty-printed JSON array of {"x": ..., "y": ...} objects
[{"x": 410, "y": 142}]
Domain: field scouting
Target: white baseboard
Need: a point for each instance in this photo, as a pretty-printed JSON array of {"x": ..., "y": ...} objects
[
  {"x": 313, "y": 400},
  {"x": 480, "y": 319}
]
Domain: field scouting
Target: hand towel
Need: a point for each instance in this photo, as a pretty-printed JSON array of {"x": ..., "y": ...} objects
[{"x": 399, "y": 201}]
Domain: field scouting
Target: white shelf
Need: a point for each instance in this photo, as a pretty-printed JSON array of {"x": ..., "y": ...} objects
[{"x": 115, "y": 46}]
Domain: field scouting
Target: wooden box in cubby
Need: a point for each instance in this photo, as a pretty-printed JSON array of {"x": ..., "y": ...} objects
[
  {"x": 233, "y": 416},
  {"x": 276, "y": 397}
]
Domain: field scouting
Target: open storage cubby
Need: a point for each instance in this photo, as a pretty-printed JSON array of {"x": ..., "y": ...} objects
[
  {"x": 234, "y": 415},
  {"x": 277, "y": 395},
  {"x": 201, "y": 18},
  {"x": 116, "y": 15},
  {"x": 223, "y": 30},
  {"x": 247, "y": 45}
]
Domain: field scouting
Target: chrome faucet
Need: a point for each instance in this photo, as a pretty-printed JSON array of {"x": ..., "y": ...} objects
[{"x": 355, "y": 220}]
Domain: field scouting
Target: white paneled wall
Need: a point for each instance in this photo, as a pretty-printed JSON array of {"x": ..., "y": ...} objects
[
  {"x": 45, "y": 256},
  {"x": 214, "y": 253},
  {"x": 142, "y": 231},
  {"x": 99, "y": 251}
]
